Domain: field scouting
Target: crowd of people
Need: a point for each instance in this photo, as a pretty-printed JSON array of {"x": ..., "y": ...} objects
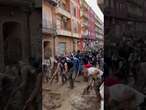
[
  {"x": 69, "y": 67},
  {"x": 124, "y": 73},
  {"x": 20, "y": 86}
]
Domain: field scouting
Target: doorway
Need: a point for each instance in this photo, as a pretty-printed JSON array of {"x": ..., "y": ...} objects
[
  {"x": 12, "y": 43},
  {"x": 47, "y": 49}
]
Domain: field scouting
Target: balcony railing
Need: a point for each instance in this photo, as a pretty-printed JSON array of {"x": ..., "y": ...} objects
[
  {"x": 64, "y": 32},
  {"x": 49, "y": 29},
  {"x": 76, "y": 35},
  {"x": 99, "y": 37},
  {"x": 97, "y": 24},
  {"x": 84, "y": 23},
  {"x": 63, "y": 12},
  {"x": 85, "y": 34}
]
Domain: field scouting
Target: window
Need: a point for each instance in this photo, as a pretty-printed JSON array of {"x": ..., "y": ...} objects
[
  {"x": 64, "y": 21},
  {"x": 74, "y": 11},
  {"x": 61, "y": 48},
  {"x": 47, "y": 49},
  {"x": 47, "y": 18},
  {"x": 75, "y": 27}
]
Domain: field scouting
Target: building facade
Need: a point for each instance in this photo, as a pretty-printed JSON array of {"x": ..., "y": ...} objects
[
  {"x": 68, "y": 26},
  {"x": 61, "y": 27},
  {"x": 20, "y": 31},
  {"x": 91, "y": 27},
  {"x": 99, "y": 28},
  {"x": 84, "y": 24},
  {"x": 48, "y": 28}
]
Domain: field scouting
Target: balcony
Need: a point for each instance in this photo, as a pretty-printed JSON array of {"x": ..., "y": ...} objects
[
  {"x": 99, "y": 31},
  {"x": 84, "y": 17},
  {"x": 97, "y": 24},
  {"x": 64, "y": 32},
  {"x": 99, "y": 37},
  {"x": 63, "y": 12},
  {"x": 49, "y": 30},
  {"x": 84, "y": 24},
  {"x": 48, "y": 27},
  {"x": 76, "y": 35},
  {"x": 85, "y": 34}
]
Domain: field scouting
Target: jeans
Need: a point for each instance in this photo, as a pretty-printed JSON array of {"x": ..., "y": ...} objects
[{"x": 70, "y": 77}]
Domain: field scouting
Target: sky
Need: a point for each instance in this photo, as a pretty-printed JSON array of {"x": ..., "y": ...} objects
[{"x": 94, "y": 6}]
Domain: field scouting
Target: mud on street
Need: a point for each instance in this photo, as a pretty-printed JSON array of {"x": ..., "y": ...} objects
[{"x": 58, "y": 97}]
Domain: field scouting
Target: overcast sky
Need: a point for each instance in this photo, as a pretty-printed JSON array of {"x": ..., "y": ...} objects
[{"x": 94, "y": 6}]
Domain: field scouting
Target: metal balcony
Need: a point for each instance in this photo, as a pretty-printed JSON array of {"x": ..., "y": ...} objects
[
  {"x": 63, "y": 12},
  {"x": 49, "y": 29},
  {"x": 64, "y": 32},
  {"x": 75, "y": 35}
]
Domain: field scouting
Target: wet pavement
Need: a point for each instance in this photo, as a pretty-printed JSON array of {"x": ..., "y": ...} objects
[{"x": 58, "y": 97}]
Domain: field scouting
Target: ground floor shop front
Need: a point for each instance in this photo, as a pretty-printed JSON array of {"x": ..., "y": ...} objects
[{"x": 59, "y": 45}]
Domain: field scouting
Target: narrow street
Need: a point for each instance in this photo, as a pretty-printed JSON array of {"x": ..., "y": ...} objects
[{"x": 72, "y": 44}]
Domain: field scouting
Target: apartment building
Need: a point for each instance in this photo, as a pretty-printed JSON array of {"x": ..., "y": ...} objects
[
  {"x": 99, "y": 28},
  {"x": 61, "y": 27},
  {"x": 91, "y": 27},
  {"x": 68, "y": 26},
  {"x": 49, "y": 28},
  {"x": 84, "y": 23},
  {"x": 20, "y": 31}
]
